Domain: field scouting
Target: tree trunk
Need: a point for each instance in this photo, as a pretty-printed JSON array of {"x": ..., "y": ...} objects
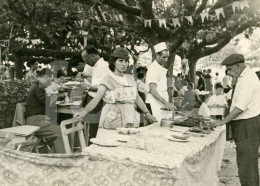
[
  {"x": 19, "y": 69},
  {"x": 192, "y": 69}
]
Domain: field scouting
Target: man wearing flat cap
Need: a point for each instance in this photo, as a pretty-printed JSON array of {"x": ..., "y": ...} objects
[
  {"x": 243, "y": 118},
  {"x": 156, "y": 82}
]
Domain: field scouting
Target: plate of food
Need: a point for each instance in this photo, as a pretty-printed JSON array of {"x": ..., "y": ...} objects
[
  {"x": 123, "y": 139},
  {"x": 180, "y": 136},
  {"x": 128, "y": 130},
  {"x": 178, "y": 140},
  {"x": 195, "y": 129},
  {"x": 71, "y": 83},
  {"x": 105, "y": 142},
  {"x": 63, "y": 103}
]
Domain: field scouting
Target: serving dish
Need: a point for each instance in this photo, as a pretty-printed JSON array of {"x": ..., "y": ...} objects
[
  {"x": 104, "y": 143},
  {"x": 166, "y": 123}
]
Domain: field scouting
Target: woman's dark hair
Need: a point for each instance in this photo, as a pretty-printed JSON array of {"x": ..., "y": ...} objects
[
  {"x": 32, "y": 62},
  {"x": 111, "y": 63},
  {"x": 218, "y": 85}
]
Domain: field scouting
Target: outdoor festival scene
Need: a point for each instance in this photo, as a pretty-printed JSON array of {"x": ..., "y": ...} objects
[{"x": 129, "y": 92}]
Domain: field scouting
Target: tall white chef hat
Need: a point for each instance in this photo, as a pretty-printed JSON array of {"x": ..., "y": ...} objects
[{"x": 160, "y": 47}]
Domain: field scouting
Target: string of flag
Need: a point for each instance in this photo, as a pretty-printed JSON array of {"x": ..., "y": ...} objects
[{"x": 176, "y": 22}]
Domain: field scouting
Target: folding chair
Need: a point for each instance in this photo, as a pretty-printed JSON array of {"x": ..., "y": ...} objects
[{"x": 76, "y": 126}]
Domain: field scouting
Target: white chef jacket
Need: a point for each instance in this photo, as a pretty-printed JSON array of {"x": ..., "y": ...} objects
[
  {"x": 100, "y": 70},
  {"x": 247, "y": 95},
  {"x": 157, "y": 74}
]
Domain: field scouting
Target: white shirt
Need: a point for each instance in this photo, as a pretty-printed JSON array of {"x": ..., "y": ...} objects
[
  {"x": 247, "y": 95},
  {"x": 217, "y": 100},
  {"x": 227, "y": 80},
  {"x": 88, "y": 70},
  {"x": 100, "y": 70},
  {"x": 156, "y": 74}
]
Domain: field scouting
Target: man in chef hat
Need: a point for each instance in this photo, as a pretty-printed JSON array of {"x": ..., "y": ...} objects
[{"x": 156, "y": 82}]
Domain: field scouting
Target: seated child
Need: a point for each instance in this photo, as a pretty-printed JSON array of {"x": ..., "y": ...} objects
[{"x": 217, "y": 103}]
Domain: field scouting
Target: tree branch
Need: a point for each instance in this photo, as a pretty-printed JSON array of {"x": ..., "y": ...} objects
[
  {"x": 201, "y": 7},
  {"x": 123, "y": 7},
  {"x": 225, "y": 40}
]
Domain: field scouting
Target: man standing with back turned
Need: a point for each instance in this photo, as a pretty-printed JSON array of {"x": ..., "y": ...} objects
[{"x": 243, "y": 118}]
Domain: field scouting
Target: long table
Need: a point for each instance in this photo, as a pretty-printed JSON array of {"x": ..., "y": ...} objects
[
  {"x": 156, "y": 162},
  {"x": 149, "y": 158}
]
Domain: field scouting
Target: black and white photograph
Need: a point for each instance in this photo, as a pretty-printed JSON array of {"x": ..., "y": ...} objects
[{"x": 129, "y": 92}]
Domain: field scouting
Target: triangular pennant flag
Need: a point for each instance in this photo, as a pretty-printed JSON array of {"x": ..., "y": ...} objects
[
  {"x": 243, "y": 4},
  {"x": 148, "y": 23},
  {"x": 190, "y": 20},
  {"x": 176, "y": 22},
  {"x": 219, "y": 11},
  {"x": 235, "y": 5},
  {"x": 81, "y": 23},
  {"x": 162, "y": 22},
  {"x": 203, "y": 16},
  {"x": 97, "y": 18},
  {"x": 120, "y": 17},
  {"x": 66, "y": 14}
]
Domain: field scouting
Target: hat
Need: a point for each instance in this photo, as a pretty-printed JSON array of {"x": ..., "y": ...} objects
[
  {"x": 160, "y": 47},
  {"x": 233, "y": 59},
  {"x": 120, "y": 53}
]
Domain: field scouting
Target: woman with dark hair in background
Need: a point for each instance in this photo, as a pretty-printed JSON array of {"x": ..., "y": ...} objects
[{"x": 120, "y": 93}]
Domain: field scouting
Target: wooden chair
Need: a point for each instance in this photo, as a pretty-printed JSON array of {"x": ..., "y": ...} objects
[{"x": 76, "y": 126}]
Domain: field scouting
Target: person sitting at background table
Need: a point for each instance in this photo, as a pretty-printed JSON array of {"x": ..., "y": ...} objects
[
  {"x": 37, "y": 106},
  {"x": 119, "y": 91},
  {"x": 31, "y": 74}
]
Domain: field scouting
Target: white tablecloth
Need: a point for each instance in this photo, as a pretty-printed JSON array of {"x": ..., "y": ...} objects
[{"x": 195, "y": 163}]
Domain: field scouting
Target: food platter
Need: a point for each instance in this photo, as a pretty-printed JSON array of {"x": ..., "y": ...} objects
[
  {"x": 65, "y": 104},
  {"x": 105, "y": 142},
  {"x": 127, "y": 131},
  {"x": 123, "y": 139},
  {"x": 178, "y": 140}
]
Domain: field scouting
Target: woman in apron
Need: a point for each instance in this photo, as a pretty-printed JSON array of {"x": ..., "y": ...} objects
[{"x": 119, "y": 91}]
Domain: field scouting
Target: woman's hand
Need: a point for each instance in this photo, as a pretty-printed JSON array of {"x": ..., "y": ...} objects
[
  {"x": 151, "y": 118},
  {"x": 81, "y": 115}
]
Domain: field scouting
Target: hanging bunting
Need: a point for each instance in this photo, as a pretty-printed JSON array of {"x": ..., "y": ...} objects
[
  {"x": 81, "y": 23},
  {"x": 176, "y": 22},
  {"x": 203, "y": 16},
  {"x": 243, "y": 4},
  {"x": 190, "y": 20},
  {"x": 235, "y": 5},
  {"x": 97, "y": 18},
  {"x": 219, "y": 11},
  {"x": 162, "y": 22},
  {"x": 148, "y": 23},
  {"x": 104, "y": 16},
  {"x": 120, "y": 17}
]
